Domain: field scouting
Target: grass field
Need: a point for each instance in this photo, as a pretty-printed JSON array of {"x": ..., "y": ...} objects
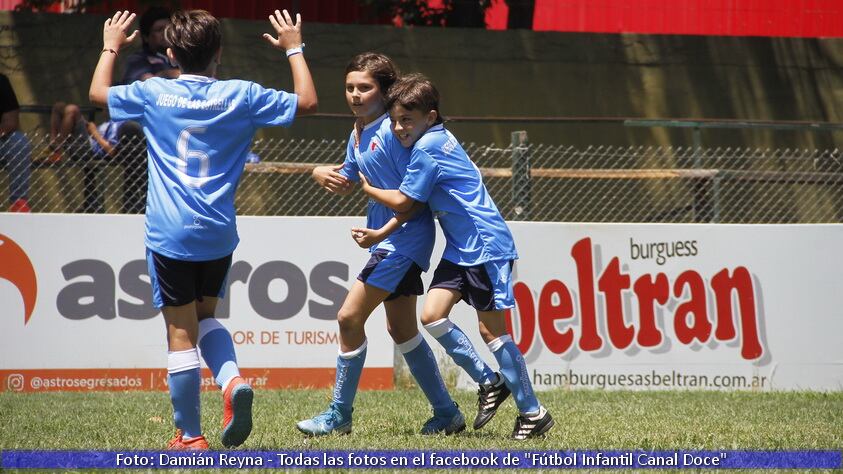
[{"x": 391, "y": 419}]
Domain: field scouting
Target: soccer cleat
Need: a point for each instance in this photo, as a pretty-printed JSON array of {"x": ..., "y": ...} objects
[
  {"x": 178, "y": 443},
  {"x": 330, "y": 421},
  {"x": 20, "y": 205},
  {"x": 532, "y": 426},
  {"x": 237, "y": 412},
  {"x": 449, "y": 424},
  {"x": 489, "y": 398}
]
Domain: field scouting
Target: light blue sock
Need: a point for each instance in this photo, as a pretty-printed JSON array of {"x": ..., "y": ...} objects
[
  {"x": 217, "y": 349},
  {"x": 422, "y": 364},
  {"x": 183, "y": 379},
  {"x": 459, "y": 347},
  {"x": 349, "y": 368},
  {"x": 514, "y": 372}
]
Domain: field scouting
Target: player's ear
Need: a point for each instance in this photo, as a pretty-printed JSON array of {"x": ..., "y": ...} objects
[
  {"x": 432, "y": 116},
  {"x": 172, "y": 56}
]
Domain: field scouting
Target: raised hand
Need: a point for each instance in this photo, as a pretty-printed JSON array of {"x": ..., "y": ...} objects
[
  {"x": 289, "y": 33},
  {"x": 115, "y": 28}
]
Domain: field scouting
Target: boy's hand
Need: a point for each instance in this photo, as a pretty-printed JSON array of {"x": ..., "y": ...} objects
[
  {"x": 329, "y": 178},
  {"x": 364, "y": 183},
  {"x": 289, "y": 33},
  {"x": 114, "y": 31},
  {"x": 366, "y": 238}
]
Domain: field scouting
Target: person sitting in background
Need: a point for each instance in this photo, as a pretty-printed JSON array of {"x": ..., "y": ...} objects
[
  {"x": 72, "y": 136},
  {"x": 151, "y": 61},
  {"x": 15, "y": 149}
]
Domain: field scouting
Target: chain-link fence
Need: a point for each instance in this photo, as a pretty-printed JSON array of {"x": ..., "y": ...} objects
[{"x": 528, "y": 182}]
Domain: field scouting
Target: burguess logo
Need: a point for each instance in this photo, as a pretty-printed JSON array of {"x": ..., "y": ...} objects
[
  {"x": 691, "y": 320},
  {"x": 17, "y": 269},
  {"x": 93, "y": 290}
]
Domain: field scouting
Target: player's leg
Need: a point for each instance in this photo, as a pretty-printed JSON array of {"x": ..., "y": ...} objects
[
  {"x": 217, "y": 349},
  {"x": 402, "y": 326},
  {"x": 173, "y": 291},
  {"x": 361, "y": 300},
  {"x": 446, "y": 289},
  {"x": 533, "y": 419}
]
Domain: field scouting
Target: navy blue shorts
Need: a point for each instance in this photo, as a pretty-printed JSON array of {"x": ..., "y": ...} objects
[
  {"x": 392, "y": 272},
  {"x": 179, "y": 282},
  {"x": 485, "y": 287}
]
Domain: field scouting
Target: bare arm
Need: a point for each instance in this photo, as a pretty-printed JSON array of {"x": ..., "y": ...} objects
[
  {"x": 113, "y": 38},
  {"x": 95, "y": 134},
  {"x": 289, "y": 37},
  {"x": 391, "y": 198},
  {"x": 365, "y": 238}
]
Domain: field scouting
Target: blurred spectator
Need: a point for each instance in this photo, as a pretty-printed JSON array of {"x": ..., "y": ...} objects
[
  {"x": 73, "y": 137},
  {"x": 15, "y": 149},
  {"x": 151, "y": 61}
]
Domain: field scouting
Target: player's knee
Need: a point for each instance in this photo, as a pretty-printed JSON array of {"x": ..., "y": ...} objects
[
  {"x": 349, "y": 320},
  {"x": 428, "y": 317},
  {"x": 401, "y": 334}
]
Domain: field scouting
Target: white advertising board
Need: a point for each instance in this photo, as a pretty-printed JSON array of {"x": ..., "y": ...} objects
[{"x": 616, "y": 306}]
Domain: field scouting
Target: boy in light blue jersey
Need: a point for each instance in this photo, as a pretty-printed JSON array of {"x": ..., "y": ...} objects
[
  {"x": 392, "y": 275},
  {"x": 198, "y": 131},
  {"x": 477, "y": 263}
]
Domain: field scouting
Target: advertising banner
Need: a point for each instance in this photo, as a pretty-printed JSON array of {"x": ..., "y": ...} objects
[
  {"x": 614, "y": 306},
  {"x": 77, "y": 312},
  {"x": 658, "y": 306}
]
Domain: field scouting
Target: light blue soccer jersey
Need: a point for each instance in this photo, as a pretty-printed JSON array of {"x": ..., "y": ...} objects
[
  {"x": 198, "y": 133},
  {"x": 383, "y": 161},
  {"x": 441, "y": 174}
]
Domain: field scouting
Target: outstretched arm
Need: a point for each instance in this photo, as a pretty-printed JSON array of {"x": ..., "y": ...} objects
[
  {"x": 391, "y": 198},
  {"x": 113, "y": 38},
  {"x": 366, "y": 238},
  {"x": 289, "y": 38}
]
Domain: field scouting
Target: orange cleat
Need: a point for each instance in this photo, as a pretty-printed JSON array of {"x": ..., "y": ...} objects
[
  {"x": 178, "y": 443},
  {"x": 20, "y": 205},
  {"x": 237, "y": 412}
]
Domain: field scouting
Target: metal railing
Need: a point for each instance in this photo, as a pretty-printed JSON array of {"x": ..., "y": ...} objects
[{"x": 527, "y": 181}]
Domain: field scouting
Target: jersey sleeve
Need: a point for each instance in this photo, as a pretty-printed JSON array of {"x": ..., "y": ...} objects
[
  {"x": 270, "y": 107},
  {"x": 349, "y": 166},
  {"x": 127, "y": 102},
  {"x": 421, "y": 177}
]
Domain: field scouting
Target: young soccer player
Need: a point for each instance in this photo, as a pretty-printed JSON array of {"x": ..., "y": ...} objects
[
  {"x": 477, "y": 264},
  {"x": 198, "y": 130},
  {"x": 392, "y": 275}
]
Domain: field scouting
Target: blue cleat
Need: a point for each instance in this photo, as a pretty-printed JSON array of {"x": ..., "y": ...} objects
[
  {"x": 449, "y": 423},
  {"x": 330, "y": 421}
]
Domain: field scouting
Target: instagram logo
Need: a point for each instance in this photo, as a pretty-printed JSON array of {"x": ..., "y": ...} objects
[{"x": 14, "y": 382}]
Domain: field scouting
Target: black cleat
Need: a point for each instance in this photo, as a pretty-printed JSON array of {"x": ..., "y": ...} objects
[
  {"x": 532, "y": 426},
  {"x": 489, "y": 398}
]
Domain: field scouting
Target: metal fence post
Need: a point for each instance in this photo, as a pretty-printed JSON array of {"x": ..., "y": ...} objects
[
  {"x": 520, "y": 175},
  {"x": 703, "y": 209}
]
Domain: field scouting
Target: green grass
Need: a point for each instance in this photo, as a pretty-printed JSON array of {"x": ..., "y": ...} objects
[{"x": 391, "y": 420}]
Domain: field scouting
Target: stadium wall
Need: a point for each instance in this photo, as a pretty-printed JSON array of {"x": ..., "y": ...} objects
[
  {"x": 614, "y": 306},
  {"x": 51, "y": 57}
]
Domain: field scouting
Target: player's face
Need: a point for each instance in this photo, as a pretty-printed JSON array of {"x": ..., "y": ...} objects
[
  {"x": 363, "y": 95},
  {"x": 409, "y": 125}
]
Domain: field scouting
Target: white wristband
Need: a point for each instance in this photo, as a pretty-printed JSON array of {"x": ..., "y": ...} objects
[{"x": 296, "y": 50}]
